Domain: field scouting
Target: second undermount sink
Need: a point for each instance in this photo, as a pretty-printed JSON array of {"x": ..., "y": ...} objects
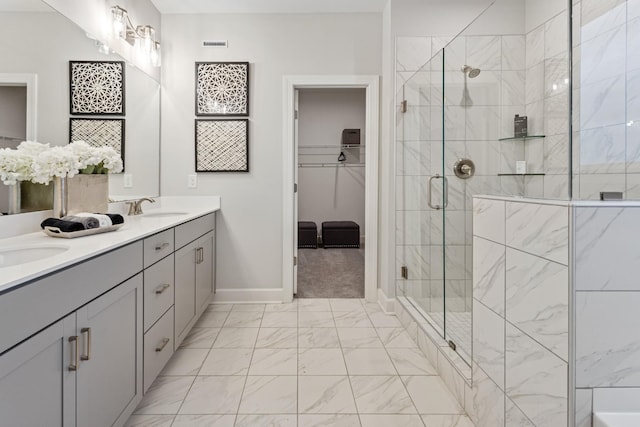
[
  {"x": 24, "y": 254},
  {"x": 162, "y": 214}
]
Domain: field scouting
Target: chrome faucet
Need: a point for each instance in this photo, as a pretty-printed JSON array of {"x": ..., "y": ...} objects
[{"x": 135, "y": 206}]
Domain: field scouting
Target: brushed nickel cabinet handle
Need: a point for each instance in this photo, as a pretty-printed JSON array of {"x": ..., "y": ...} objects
[
  {"x": 87, "y": 355},
  {"x": 160, "y": 289},
  {"x": 161, "y": 246},
  {"x": 165, "y": 341},
  {"x": 74, "y": 348}
]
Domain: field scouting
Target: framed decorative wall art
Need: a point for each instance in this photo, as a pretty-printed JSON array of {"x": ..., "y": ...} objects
[
  {"x": 99, "y": 133},
  {"x": 222, "y": 145},
  {"x": 96, "y": 87},
  {"x": 222, "y": 88}
]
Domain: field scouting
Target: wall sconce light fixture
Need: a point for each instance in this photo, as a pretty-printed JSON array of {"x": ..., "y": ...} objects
[{"x": 141, "y": 37}]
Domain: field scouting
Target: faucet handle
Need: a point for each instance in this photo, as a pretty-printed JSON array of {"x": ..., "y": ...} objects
[{"x": 132, "y": 207}]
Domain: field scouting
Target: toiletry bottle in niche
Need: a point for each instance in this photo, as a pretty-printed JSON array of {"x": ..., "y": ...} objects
[{"x": 520, "y": 126}]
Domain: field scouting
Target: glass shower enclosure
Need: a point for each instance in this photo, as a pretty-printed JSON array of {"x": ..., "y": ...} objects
[{"x": 456, "y": 138}]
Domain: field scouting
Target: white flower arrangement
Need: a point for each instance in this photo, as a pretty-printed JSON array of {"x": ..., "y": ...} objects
[{"x": 40, "y": 163}]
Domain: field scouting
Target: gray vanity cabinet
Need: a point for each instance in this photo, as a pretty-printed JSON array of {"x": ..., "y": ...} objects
[
  {"x": 110, "y": 367},
  {"x": 36, "y": 386},
  {"x": 194, "y": 272}
]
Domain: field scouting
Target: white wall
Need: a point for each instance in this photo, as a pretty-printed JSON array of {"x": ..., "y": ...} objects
[
  {"x": 330, "y": 193},
  {"x": 249, "y": 227}
]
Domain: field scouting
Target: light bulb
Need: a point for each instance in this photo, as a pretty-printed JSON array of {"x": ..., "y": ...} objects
[{"x": 119, "y": 21}]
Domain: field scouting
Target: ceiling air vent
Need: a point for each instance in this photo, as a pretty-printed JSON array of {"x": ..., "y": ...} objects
[{"x": 214, "y": 43}]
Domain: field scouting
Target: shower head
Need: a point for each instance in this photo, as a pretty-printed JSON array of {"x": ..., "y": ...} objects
[{"x": 470, "y": 71}]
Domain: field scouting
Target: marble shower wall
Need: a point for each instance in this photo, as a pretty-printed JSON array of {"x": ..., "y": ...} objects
[
  {"x": 520, "y": 313},
  {"x": 606, "y": 83}
]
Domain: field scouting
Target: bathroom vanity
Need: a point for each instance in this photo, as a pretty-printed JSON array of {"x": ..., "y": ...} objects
[{"x": 85, "y": 330}]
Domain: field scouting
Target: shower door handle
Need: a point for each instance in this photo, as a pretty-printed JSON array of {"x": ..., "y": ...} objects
[{"x": 445, "y": 191}]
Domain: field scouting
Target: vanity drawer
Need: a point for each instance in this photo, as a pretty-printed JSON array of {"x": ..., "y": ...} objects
[
  {"x": 157, "y": 247},
  {"x": 158, "y": 347},
  {"x": 158, "y": 290},
  {"x": 190, "y": 231}
]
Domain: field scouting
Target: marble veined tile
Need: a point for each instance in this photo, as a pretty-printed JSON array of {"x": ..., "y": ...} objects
[
  {"x": 274, "y": 361},
  {"x": 226, "y": 389},
  {"x": 277, "y": 338},
  {"x": 535, "y": 47},
  {"x": 150, "y": 421},
  {"x": 537, "y": 299},
  {"x": 165, "y": 395},
  {"x": 489, "y": 273},
  {"x": 607, "y": 253},
  {"x": 513, "y": 52},
  {"x": 325, "y": 395},
  {"x": 368, "y": 361},
  {"x": 488, "y": 342},
  {"x": 488, "y": 219},
  {"x": 599, "y": 16},
  {"x": 603, "y": 103},
  {"x": 386, "y": 420},
  {"x": 540, "y": 230},
  {"x": 381, "y": 395},
  {"x": 536, "y": 380},
  {"x": 288, "y": 420},
  {"x": 396, "y": 338},
  {"x": 236, "y": 338},
  {"x": 486, "y": 402},
  {"x": 584, "y": 398},
  {"x": 227, "y": 361},
  {"x": 603, "y": 150},
  {"x": 185, "y": 361},
  {"x": 513, "y": 416},
  {"x": 360, "y": 337},
  {"x": 431, "y": 396},
  {"x": 318, "y": 338},
  {"x": 243, "y": 319},
  {"x": 607, "y": 339},
  {"x": 453, "y": 420},
  {"x": 279, "y": 319},
  {"x": 513, "y": 87},
  {"x": 321, "y": 361},
  {"x": 328, "y": 420},
  {"x": 352, "y": 319},
  {"x": 316, "y": 319},
  {"x": 270, "y": 395},
  {"x": 412, "y": 52},
  {"x": 484, "y": 52},
  {"x": 200, "y": 338},
  {"x": 603, "y": 56},
  {"x": 411, "y": 361},
  {"x": 555, "y": 35},
  {"x": 204, "y": 421}
]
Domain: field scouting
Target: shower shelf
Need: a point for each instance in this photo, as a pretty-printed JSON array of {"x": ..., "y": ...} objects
[
  {"x": 515, "y": 138},
  {"x": 521, "y": 174}
]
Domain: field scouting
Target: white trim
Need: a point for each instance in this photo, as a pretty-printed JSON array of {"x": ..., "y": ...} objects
[
  {"x": 371, "y": 85},
  {"x": 268, "y": 295},
  {"x": 388, "y": 304},
  {"x": 31, "y": 82}
]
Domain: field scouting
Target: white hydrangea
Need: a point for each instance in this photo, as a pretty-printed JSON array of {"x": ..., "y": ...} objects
[
  {"x": 54, "y": 162},
  {"x": 15, "y": 166}
]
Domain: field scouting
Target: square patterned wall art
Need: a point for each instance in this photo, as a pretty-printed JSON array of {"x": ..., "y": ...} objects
[
  {"x": 222, "y": 88},
  {"x": 99, "y": 133},
  {"x": 222, "y": 145},
  {"x": 97, "y": 87}
]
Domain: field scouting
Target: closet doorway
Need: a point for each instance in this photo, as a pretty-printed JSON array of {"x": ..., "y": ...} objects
[
  {"x": 331, "y": 192},
  {"x": 363, "y": 159}
]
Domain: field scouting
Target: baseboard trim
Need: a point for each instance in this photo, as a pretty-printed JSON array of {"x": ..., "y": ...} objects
[
  {"x": 268, "y": 295},
  {"x": 387, "y": 304}
]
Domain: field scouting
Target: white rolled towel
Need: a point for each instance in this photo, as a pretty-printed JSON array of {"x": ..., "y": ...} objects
[{"x": 104, "y": 220}]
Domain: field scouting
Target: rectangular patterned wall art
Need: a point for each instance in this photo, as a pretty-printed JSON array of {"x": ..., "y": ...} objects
[
  {"x": 222, "y": 145},
  {"x": 222, "y": 88},
  {"x": 97, "y": 87},
  {"x": 99, "y": 133}
]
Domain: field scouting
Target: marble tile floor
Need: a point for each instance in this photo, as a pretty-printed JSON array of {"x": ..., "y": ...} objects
[{"x": 314, "y": 362}]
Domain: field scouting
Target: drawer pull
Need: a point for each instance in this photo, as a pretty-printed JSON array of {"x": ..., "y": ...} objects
[
  {"x": 160, "y": 289},
  {"x": 87, "y": 331},
  {"x": 165, "y": 341},
  {"x": 74, "y": 348},
  {"x": 162, "y": 246}
]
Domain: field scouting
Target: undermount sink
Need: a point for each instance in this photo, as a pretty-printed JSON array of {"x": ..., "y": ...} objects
[
  {"x": 24, "y": 254},
  {"x": 162, "y": 214}
]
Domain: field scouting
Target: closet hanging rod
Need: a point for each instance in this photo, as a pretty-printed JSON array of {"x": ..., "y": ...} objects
[{"x": 322, "y": 165}]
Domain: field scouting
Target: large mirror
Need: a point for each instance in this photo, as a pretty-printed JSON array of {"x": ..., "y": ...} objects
[{"x": 38, "y": 44}]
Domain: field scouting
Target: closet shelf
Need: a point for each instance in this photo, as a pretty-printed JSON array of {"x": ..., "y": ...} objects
[{"x": 515, "y": 138}]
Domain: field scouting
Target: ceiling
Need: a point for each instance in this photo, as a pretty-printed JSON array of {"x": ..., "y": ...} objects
[{"x": 269, "y": 6}]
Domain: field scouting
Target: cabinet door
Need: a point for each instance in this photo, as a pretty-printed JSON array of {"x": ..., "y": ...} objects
[
  {"x": 36, "y": 386},
  {"x": 110, "y": 371},
  {"x": 185, "y": 290},
  {"x": 204, "y": 270}
]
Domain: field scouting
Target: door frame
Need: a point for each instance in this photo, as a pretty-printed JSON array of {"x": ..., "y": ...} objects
[{"x": 371, "y": 85}]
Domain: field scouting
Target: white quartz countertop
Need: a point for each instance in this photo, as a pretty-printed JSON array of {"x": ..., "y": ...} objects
[{"x": 166, "y": 213}]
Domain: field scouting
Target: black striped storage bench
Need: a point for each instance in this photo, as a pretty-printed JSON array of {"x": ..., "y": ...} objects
[
  {"x": 340, "y": 234},
  {"x": 307, "y": 234}
]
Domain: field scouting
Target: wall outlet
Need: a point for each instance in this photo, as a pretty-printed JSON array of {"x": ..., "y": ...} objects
[
  {"x": 192, "y": 180},
  {"x": 128, "y": 180}
]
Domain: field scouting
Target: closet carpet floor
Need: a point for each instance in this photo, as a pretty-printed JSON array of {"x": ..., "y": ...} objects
[{"x": 331, "y": 273}]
